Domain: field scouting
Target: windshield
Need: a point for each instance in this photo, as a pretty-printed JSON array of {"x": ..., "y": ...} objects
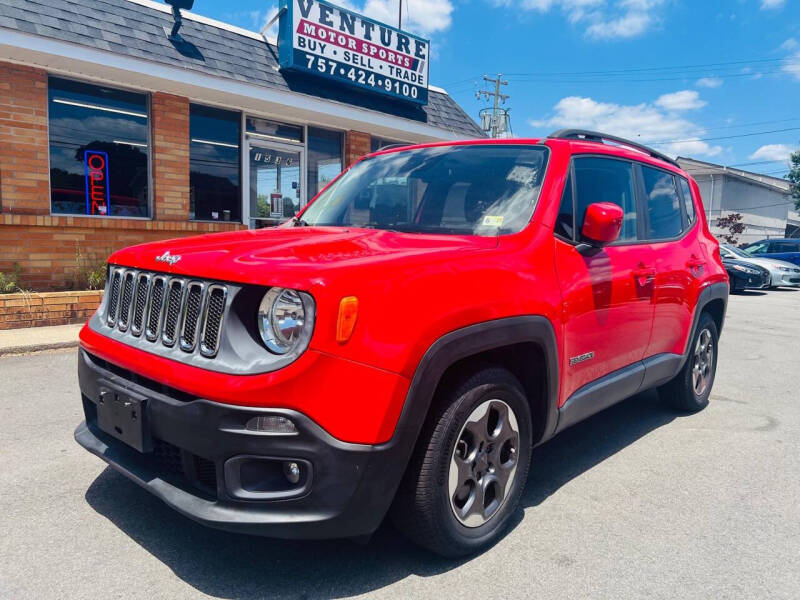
[
  {"x": 737, "y": 251},
  {"x": 474, "y": 189}
]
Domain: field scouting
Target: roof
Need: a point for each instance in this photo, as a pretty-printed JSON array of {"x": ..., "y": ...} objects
[
  {"x": 698, "y": 168},
  {"x": 136, "y": 28}
]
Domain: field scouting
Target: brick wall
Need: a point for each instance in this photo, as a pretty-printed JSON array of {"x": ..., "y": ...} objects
[
  {"x": 54, "y": 308},
  {"x": 46, "y": 247},
  {"x": 169, "y": 118},
  {"x": 24, "y": 176},
  {"x": 356, "y": 145}
]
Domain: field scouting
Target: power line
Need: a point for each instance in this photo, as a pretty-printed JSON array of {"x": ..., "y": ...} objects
[
  {"x": 759, "y": 162},
  {"x": 639, "y": 70},
  {"x": 726, "y": 137}
]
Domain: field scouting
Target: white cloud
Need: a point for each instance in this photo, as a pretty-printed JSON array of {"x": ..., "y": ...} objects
[
  {"x": 709, "y": 82},
  {"x": 789, "y": 44},
  {"x": 776, "y": 152},
  {"x": 602, "y": 19},
  {"x": 772, "y": 4},
  {"x": 792, "y": 65},
  {"x": 683, "y": 100},
  {"x": 648, "y": 123}
]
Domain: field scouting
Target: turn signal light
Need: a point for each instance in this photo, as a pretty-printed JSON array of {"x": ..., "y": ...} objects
[{"x": 348, "y": 314}]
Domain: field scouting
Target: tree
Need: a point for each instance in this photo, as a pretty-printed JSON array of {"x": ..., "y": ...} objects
[
  {"x": 733, "y": 225},
  {"x": 794, "y": 178}
]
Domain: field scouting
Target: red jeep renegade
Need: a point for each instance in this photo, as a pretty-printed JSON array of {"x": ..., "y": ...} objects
[{"x": 404, "y": 342}]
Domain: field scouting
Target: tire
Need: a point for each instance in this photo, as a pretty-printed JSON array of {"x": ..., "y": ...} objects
[
  {"x": 449, "y": 450},
  {"x": 686, "y": 392}
]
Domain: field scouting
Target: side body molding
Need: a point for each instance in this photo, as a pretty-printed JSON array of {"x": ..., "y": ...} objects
[{"x": 637, "y": 377}]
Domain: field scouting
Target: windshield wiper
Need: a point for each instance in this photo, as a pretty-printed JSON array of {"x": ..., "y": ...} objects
[{"x": 298, "y": 222}]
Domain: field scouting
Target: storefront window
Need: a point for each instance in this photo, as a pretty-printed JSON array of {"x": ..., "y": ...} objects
[
  {"x": 98, "y": 150},
  {"x": 263, "y": 128},
  {"x": 324, "y": 158},
  {"x": 377, "y": 143},
  {"x": 214, "y": 164}
]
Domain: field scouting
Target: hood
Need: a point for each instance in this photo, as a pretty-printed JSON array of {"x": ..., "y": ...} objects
[{"x": 294, "y": 256}]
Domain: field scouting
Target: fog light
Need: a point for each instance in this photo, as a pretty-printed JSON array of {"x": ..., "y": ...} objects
[
  {"x": 272, "y": 424},
  {"x": 292, "y": 471}
]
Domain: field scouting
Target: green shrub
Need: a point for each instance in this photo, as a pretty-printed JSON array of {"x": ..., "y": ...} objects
[
  {"x": 9, "y": 282},
  {"x": 90, "y": 272}
]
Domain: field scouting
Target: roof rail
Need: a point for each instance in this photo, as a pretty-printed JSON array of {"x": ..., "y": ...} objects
[{"x": 596, "y": 136}]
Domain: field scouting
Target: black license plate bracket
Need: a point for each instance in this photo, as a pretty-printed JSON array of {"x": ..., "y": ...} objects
[{"x": 123, "y": 415}]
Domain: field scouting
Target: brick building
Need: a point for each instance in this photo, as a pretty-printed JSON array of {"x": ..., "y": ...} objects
[{"x": 114, "y": 135}]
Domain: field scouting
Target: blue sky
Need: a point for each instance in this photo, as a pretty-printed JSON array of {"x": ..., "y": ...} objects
[{"x": 685, "y": 74}]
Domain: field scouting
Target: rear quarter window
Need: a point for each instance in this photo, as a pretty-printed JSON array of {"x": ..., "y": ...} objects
[{"x": 663, "y": 204}]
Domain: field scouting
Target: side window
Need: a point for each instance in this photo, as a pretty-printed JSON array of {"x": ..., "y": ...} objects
[
  {"x": 606, "y": 180},
  {"x": 687, "y": 200},
  {"x": 663, "y": 204},
  {"x": 757, "y": 248},
  {"x": 565, "y": 222}
]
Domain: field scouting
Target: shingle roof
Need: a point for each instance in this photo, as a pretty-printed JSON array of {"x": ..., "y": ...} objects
[{"x": 137, "y": 30}]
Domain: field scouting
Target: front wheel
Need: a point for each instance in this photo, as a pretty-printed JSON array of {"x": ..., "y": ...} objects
[
  {"x": 690, "y": 389},
  {"x": 470, "y": 466}
]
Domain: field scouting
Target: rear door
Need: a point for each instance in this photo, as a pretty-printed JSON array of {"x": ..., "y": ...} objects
[
  {"x": 788, "y": 250},
  {"x": 608, "y": 293},
  {"x": 679, "y": 260}
]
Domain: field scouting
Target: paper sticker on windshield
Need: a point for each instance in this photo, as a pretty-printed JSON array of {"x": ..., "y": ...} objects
[
  {"x": 493, "y": 221},
  {"x": 523, "y": 175}
]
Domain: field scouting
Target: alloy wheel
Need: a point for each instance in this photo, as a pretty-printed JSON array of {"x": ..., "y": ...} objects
[
  {"x": 483, "y": 463},
  {"x": 702, "y": 369}
]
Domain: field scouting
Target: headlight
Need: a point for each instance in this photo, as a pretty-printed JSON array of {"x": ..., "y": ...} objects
[
  {"x": 744, "y": 269},
  {"x": 786, "y": 269},
  {"x": 286, "y": 320}
]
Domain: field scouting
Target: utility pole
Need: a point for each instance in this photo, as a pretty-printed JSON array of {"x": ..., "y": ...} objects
[{"x": 497, "y": 96}]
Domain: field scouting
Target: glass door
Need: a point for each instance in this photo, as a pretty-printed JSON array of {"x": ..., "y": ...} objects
[{"x": 275, "y": 173}]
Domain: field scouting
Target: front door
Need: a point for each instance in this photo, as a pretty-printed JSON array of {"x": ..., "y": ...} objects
[
  {"x": 607, "y": 294},
  {"x": 276, "y": 187}
]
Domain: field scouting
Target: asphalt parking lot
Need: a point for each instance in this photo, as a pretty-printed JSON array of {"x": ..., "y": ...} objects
[{"x": 636, "y": 502}]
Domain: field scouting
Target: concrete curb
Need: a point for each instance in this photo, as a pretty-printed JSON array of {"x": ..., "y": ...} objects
[{"x": 25, "y": 349}]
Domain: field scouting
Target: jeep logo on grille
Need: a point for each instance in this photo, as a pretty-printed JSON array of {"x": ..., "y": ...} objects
[{"x": 168, "y": 258}]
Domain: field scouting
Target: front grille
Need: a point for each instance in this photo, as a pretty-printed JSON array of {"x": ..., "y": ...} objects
[
  {"x": 191, "y": 315},
  {"x": 167, "y": 308},
  {"x": 212, "y": 322},
  {"x": 113, "y": 298},
  {"x": 140, "y": 303},
  {"x": 176, "y": 463},
  {"x": 128, "y": 283}
]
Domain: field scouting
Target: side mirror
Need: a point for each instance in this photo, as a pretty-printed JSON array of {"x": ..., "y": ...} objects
[{"x": 602, "y": 223}]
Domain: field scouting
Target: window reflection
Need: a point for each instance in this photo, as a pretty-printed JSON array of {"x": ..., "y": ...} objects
[
  {"x": 214, "y": 178},
  {"x": 98, "y": 150}
]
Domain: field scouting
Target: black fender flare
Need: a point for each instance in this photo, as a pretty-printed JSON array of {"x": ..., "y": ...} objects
[
  {"x": 714, "y": 291},
  {"x": 469, "y": 341}
]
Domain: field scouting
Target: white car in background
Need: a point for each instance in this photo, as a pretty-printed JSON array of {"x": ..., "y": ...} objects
[{"x": 781, "y": 273}]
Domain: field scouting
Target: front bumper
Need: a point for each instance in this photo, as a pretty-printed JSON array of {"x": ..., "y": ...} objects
[
  {"x": 783, "y": 279},
  {"x": 348, "y": 488}
]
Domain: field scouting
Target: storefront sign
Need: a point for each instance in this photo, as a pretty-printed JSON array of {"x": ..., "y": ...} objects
[
  {"x": 320, "y": 38},
  {"x": 98, "y": 198}
]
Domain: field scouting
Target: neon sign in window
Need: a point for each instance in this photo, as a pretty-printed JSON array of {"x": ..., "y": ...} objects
[{"x": 98, "y": 199}]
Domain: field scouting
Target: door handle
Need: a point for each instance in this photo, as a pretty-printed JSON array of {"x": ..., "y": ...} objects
[
  {"x": 695, "y": 265},
  {"x": 644, "y": 274}
]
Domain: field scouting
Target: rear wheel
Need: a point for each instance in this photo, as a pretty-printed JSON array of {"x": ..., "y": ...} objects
[
  {"x": 691, "y": 388},
  {"x": 470, "y": 466}
]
